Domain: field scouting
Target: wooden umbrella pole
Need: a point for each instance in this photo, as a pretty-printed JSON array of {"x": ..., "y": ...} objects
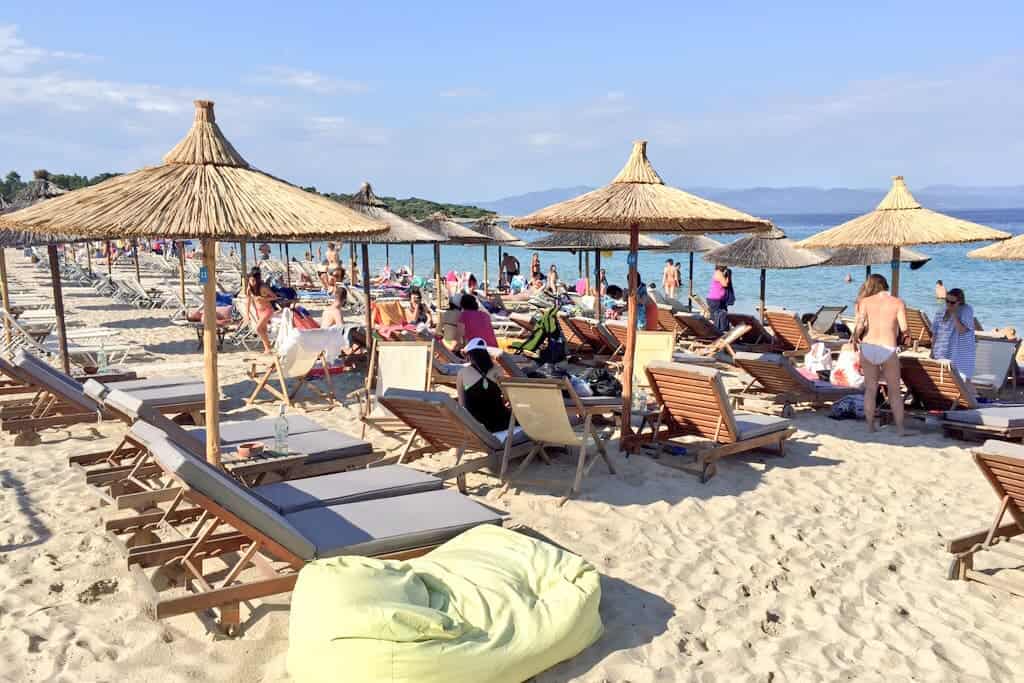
[
  {"x": 599, "y": 298},
  {"x": 242, "y": 264},
  {"x": 763, "y": 278},
  {"x": 486, "y": 277},
  {"x": 5, "y": 295},
  {"x": 586, "y": 269},
  {"x": 110, "y": 260},
  {"x": 387, "y": 255},
  {"x": 287, "y": 266},
  {"x": 895, "y": 271},
  {"x": 58, "y": 307},
  {"x": 181, "y": 277},
  {"x": 135, "y": 250},
  {"x": 689, "y": 298},
  {"x": 210, "y": 352},
  {"x": 412, "y": 260},
  {"x": 88, "y": 256},
  {"x": 579, "y": 265},
  {"x": 867, "y": 272},
  {"x": 255, "y": 256},
  {"x": 352, "y": 263},
  {"x": 366, "y": 292},
  {"x": 501, "y": 270},
  {"x": 437, "y": 274},
  {"x": 627, "y": 359}
]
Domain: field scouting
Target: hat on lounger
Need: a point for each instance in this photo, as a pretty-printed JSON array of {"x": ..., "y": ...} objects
[{"x": 476, "y": 343}]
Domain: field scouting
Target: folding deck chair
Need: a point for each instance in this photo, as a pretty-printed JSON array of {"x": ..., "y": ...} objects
[
  {"x": 538, "y": 408},
  {"x": 780, "y": 381},
  {"x": 444, "y": 425},
  {"x": 398, "y": 365},
  {"x": 693, "y": 401},
  {"x": 825, "y": 319},
  {"x": 1002, "y": 464},
  {"x": 243, "y": 533},
  {"x": 936, "y": 384},
  {"x": 697, "y": 327},
  {"x": 919, "y": 329},
  {"x": 295, "y": 363},
  {"x": 994, "y": 362},
  {"x": 793, "y": 336}
]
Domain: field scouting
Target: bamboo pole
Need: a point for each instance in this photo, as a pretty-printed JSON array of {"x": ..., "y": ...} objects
[
  {"x": 387, "y": 255},
  {"x": 627, "y": 359},
  {"x": 366, "y": 292},
  {"x": 242, "y": 264},
  {"x": 58, "y": 307},
  {"x": 287, "y": 266},
  {"x": 486, "y": 277},
  {"x": 437, "y": 274},
  {"x": 597, "y": 285},
  {"x": 210, "y": 352},
  {"x": 763, "y": 281},
  {"x": 135, "y": 250},
  {"x": 5, "y": 295},
  {"x": 895, "y": 271},
  {"x": 255, "y": 256},
  {"x": 579, "y": 265},
  {"x": 412, "y": 260},
  {"x": 352, "y": 263},
  {"x": 110, "y": 260},
  {"x": 181, "y": 277},
  {"x": 88, "y": 256},
  {"x": 501, "y": 269},
  {"x": 689, "y": 298},
  {"x": 586, "y": 268}
]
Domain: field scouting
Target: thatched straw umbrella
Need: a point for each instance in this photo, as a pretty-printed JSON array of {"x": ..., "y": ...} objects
[
  {"x": 39, "y": 189},
  {"x": 1010, "y": 250},
  {"x": 442, "y": 224},
  {"x": 771, "y": 251},
  {"x": 401, "y": 230},
  {"x": 206, "y": 190},
  {"x": 872, "y": 256},
  {"x": 637, "y": 199},
  {"x": 900, "y": 221},
  {"x": 488, "y": 227},
  {"x": 692, "y": 244}
]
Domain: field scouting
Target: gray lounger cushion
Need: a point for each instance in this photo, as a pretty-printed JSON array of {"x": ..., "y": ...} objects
[
  {"x": 325, "y": 444},
  {"x": 345, "y": 487},
  {"x": 494, "y": 442},
  {"x": 150, "y": 383},
  {"x": 750, "y": 425},
  {"x": 259, "y": 429},
  {"x": 1001, "y": 448},
  {"x": 54, "y": 381},
  {"x": 377, "y": 527},
  {"x": 179, "y": 394},
  {"x": 992, "y": 416}
]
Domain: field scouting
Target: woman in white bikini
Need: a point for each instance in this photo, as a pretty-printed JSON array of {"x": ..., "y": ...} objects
[{"x": 881, "y": 319}]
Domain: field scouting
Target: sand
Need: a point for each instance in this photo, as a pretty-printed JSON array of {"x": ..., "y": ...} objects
[{"x": 827, "y": 564}]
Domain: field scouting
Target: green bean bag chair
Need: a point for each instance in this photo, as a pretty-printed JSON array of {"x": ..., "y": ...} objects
[{"x": 490, "y": 605}]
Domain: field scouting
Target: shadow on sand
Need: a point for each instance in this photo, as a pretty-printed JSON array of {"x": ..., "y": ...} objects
[{"x": 10, "y": 484}]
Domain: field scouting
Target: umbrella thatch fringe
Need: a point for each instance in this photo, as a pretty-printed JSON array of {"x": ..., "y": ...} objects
[
  {"x": 488, "y": 227},
  {"x": 442, "y": 223},
  {"x": 693, "y": 243},
  {"x": 870, "y": 256},
  {"x": 401, "y": 230},
  {"x": 204, "y": 190},
  {"x": 899, "y": 220},
  {"x": 638, "y": 196},
  {"x": 772, "y": 251},
  {"x": 585, "y": 240},
  {"x": 1010, "y": 250}
]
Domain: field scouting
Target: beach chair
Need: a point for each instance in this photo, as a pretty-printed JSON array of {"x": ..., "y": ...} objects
[
  {"x": 296, "y": 362},
  {"x": 613, "y": 333},
  {"x": 994, "y": 362},
  {"x": 574, "y": 341},
  {"x": 697, "y": 327},
  {"x": 538, "y": 408},
  {"x": 389, "y": 321},
  {"x": 693, "y": 402},
  {"x": 587, "y": 330},
  {"x": 780, "y": 380},
  {"x": 443, "y": 425},
  {"x": 826, "y": 318},
  {"x": 668, "y": 323},
  {"x": 1002, "y": 465},
  {"x": 268, "y": 536},
  {"x": 127, "y": 477},
  {"x": 15, "y": 382},
  {"x": 936, "y": 384},
  {"x": 919, "y": 329},
  {"x": 702, "y": 305},
  {"x": 793, "y": 336},
  {"x": 393, "y": 365},
  {"x": 757, "y": 338}
]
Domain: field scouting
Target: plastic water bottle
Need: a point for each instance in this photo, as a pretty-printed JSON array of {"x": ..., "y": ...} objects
[
  {"x": 281, "y": 432},
  {"x": 639, "y": 400},
  {"x": 101, "y": 357}
]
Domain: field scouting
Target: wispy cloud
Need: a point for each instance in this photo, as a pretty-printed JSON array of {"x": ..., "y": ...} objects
[
  {"x": 462, "y": 92},
  {"x": 304, "y": 79},
  {"x": 341, "y": 130},
  {"x": 16, "y": 55}
]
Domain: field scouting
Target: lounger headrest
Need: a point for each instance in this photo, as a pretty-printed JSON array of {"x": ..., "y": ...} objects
[
  {"x": 53, "y": 380},
  {"x": 97, "y": 391},
  {"x": 222, "y": 490},
  {"x": 710, "y": 373},
  {"x": 1004, "y": 449}
]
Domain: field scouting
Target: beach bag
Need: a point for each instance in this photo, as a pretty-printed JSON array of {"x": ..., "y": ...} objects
[
  {"x": 848, "y": 408},
  {"x": 818, "y": 359},
  {"x": 847, "y": 371},
  {"x": 602, "y": 382},
  {"x": 554, "y": 351}
]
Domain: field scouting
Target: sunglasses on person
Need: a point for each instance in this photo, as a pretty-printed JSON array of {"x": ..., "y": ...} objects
[{"x": 952, "y": 301}]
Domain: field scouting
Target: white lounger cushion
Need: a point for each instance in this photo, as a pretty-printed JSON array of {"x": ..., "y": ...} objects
[
  {"x": 345, "y": 487},
  {"x": 751, "y": 425}
]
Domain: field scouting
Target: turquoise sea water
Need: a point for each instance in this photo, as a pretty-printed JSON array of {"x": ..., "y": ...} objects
[{"x": 992, "y": 287}]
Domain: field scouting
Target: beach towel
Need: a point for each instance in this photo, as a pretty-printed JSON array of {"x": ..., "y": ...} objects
[{"x": 489, "y": 606}]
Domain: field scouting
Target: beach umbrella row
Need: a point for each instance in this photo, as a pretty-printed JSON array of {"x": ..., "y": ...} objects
[
  {"x": 692, "y": 244},
  {"x": 203, "y": 189},
  {"x": 489, "y": 228},
  {"x": 638, "y": 200}
]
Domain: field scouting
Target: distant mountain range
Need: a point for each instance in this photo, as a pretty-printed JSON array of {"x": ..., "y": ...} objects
[{"x": 770, "y": 201}]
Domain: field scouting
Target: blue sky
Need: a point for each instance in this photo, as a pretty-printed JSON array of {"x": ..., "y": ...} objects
[{"x": 464, "y": 101}]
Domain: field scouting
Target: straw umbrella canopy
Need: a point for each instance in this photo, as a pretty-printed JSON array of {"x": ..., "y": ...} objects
[
  {"x": 442, "y": 224},
  {"x": 203, "y": 189},
  {"x": 872, "y": 256},
  {"x": 488, "y": 227},
  {"x": 638, "y": 200},
  {"x": 899, "y": 221},
  {"x": 1010, "y": 250},
  {"x": 402, "y": 230},
  {"x": 692, "y": 244},
  {"x": 771, "y": 251}
]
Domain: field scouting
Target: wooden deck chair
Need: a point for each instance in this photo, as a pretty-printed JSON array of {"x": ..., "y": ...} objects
[
  {"x": 1002, "y": 465},
  {"x": 758, "y": 336},
  {"x": 14, "y": 382},
  {"x": 698, "y": 328},
  {"x": 919, "y": 329},
  {"x": 586, "y": 329},
  {"x": 693, "y": 402},
  {"x": 774, "y": 376},
  {"x": 574, "y": 341},
  {"x": 444, "y": 425},
  {"x": 668, "y": 323},
  {"x": 538, "y": 408},
  {"x": 613, "y": 333},
  {"x": 936, "y": 384},
  {"x": 247, "y": 534},
  {"x": 994, "y": 362},
  {"x": 393, "y": 365},
  {"x": 389, "y": 318},
  {"x": 702, "y": 305},
  {"x": 446, "y": 364},
  {"x": 295, "y": 363},
  {"x": 793, "y": 336},
  {"x": 826, "y": 318}
]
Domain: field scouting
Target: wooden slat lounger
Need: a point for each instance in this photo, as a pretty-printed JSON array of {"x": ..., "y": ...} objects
[
  {"x": 779, "y": 380},
  {"x": 826, "y": 318},
  {"x": 1002, "y": 464},
  {"x": 793, "y": 335},
  {"x": 693, "y": 401},
  {"x": 250, "y": 533},
  {"x": 919, "y": 329},
  {"x": 15, "y": 382}
]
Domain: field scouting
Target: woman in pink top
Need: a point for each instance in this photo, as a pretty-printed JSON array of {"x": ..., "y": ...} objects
[
  {"x": 721, "y": 281},
  {"x": 474, "y": 323}
]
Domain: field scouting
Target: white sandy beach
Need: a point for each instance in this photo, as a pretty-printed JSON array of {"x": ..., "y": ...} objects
[{"x": 827, "y": 564}]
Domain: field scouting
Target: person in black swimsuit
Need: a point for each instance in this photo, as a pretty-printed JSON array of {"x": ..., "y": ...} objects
[{"x": 479, "y": 393}]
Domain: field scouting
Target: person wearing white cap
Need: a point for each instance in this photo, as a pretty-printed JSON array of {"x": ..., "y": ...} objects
[{"x": 477, "y": 384}]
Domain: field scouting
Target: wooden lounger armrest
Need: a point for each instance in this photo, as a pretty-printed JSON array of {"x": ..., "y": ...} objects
[{"x": 968, "y": 541}]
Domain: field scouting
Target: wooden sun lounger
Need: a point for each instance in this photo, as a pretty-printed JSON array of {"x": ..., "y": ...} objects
[
  {"x": 574, "y": 341},
  {"x": 780, "y": 381},
  {"x": 826, "y": 318},
  {"x": 698, "y": 328},
  {"x": 394, "y": 365},
  {"x": 262, "y": 542},
  {"x": 693, "y": 402},
  {"x": 919, "y": 329},
  {"x": 936, "y": 384},
  {"x": 586, "y": 329},
  {"x": 1002, "y": 465},
  {"x": 793, "y": 336},
  {"x": 444, "y": 425}
]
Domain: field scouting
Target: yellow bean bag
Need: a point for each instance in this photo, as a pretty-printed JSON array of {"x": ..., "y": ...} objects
[{"x": 489, "y": 605}]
